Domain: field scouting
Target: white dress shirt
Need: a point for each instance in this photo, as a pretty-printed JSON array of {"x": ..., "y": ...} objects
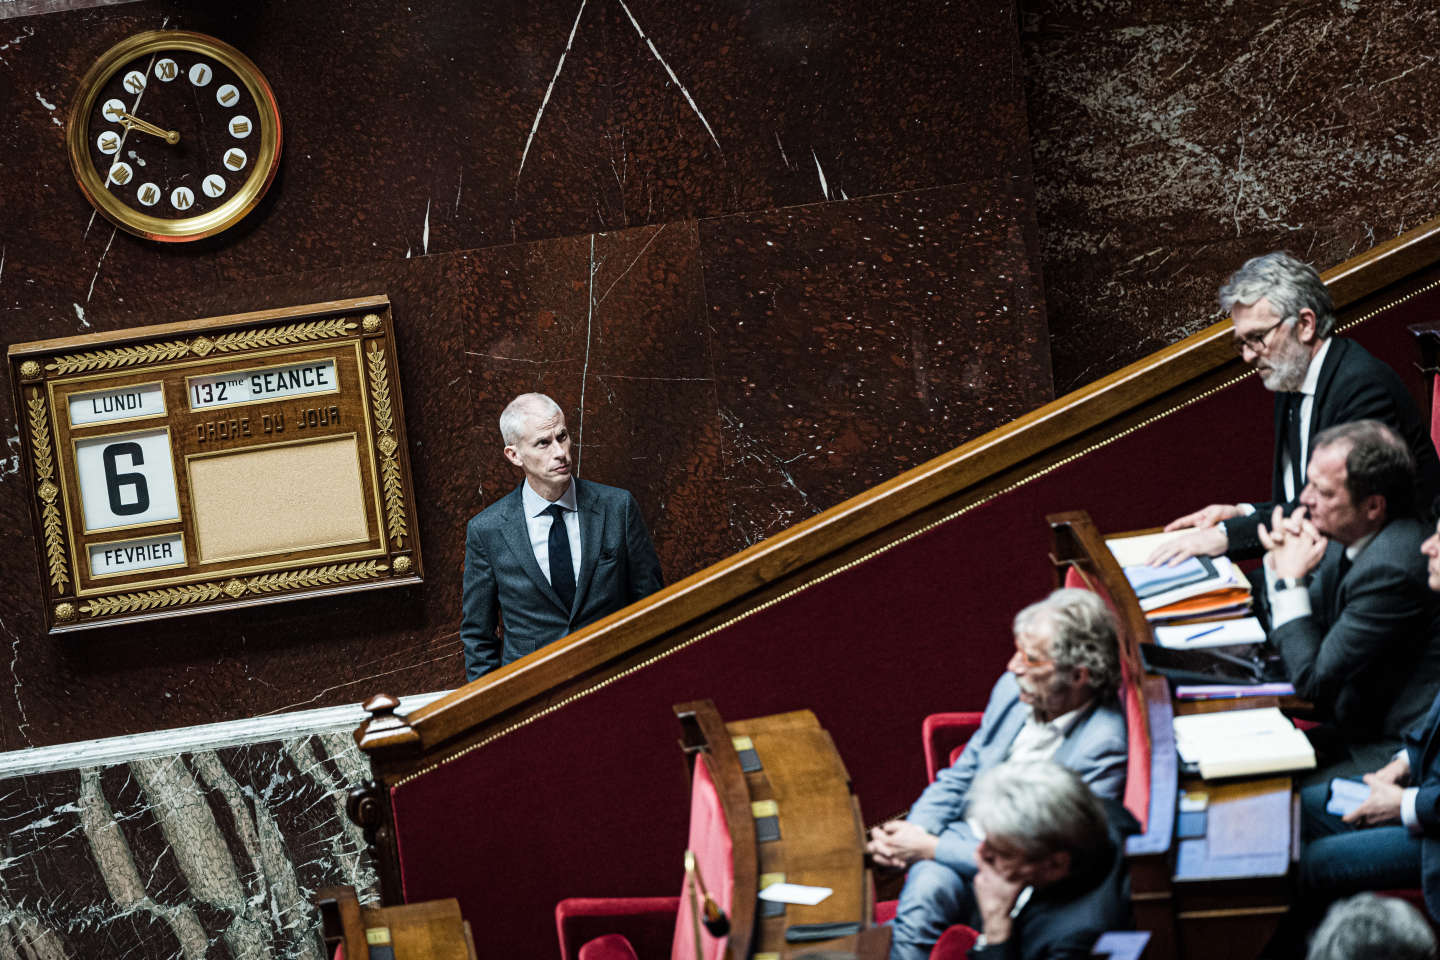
[
  {"x": 1040, "y": 741},
  {"x": 537, "y": 522},
  {"x": 1307, "y": 404}
]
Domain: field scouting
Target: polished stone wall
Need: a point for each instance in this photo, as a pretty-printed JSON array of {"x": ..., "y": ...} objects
[
  {"x": 1174, "y": 141},
  {"x": 196, "y": 854},
  {"x": 764, "y": 256}
]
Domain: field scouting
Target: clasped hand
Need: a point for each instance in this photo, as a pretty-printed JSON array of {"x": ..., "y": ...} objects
[
  {"x": 1294, "y": 546},
  {"x": 900, "y": 843}
]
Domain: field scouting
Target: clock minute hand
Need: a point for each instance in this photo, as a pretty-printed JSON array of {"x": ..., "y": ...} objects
[{"x": 132, "y": 122}]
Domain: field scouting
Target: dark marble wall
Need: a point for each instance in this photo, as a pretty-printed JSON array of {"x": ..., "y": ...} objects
[
  {"x": 206, "y": 853},
  {"x": 1173, "y": 141},
  {"x": 764, "y": 255}
]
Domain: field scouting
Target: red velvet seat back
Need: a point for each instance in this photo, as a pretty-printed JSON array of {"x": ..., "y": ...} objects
[
  {"x": 710, "y": 842},
  {"x": 1137, "y": 726}
]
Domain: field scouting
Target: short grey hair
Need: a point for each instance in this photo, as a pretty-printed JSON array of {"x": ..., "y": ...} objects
[
  {"x": 1082, "y": 634},
  {"x": 522, "y": 408},
  {"x": 1366, "y": 925},
  {"x": 1290, "y": 284},
  {"x": 1040, "y": 808}
]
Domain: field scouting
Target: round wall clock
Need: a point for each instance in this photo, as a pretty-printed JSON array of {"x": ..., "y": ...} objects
[{"x": 174, "y": 135}]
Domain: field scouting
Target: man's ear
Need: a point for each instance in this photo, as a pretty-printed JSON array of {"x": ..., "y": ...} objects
[
  {"x": 1305, "y": 327},
  {"x": 512, "y": 455},
  {"x": 1373, "y": 507}
]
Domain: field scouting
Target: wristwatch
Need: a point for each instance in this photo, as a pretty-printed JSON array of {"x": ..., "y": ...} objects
[{"x": 1290, "y": 583}]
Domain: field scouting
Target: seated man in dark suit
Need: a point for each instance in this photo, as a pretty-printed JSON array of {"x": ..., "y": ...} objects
[
  {"x": 1283, "y": 318},
  {"x": 1392, "y": 840},
  {"x": 1056, "y": 702},
  {"x": 1051, "y": 875},
  {"x": 1360, "y": 639}
]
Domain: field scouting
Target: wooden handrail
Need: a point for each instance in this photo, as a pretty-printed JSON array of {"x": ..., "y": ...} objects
[{"x": 1200, "y": 361}]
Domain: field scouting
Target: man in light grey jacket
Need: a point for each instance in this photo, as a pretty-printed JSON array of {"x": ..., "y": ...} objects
[{"x": 1056, "y": 702}]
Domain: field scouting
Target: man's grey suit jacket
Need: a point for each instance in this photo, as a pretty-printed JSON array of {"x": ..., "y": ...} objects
[
  {"x": 1096, "y": 748},
  {"x": 1368, "y": 655},
  {"x": 503, "y": 582}
]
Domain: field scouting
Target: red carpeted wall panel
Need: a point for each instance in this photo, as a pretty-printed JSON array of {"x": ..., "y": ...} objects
[{"x": 592, "y": 799}]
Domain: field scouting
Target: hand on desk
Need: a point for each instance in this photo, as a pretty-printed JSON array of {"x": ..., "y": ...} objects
[
  {"x": 1210, "y": 541},
  {"x": 1206, "y": 517},
  {"x": 1294, "y": 546},
  {"x": 1382, "y": 806},
  {"x": 900, "y": 843}
]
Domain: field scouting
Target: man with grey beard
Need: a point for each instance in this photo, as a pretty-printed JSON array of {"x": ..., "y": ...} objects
[{"x": 1283, "y": 318}]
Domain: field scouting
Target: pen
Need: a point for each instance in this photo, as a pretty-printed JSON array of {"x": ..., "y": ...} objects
[{"x": 1197, "y": 636}]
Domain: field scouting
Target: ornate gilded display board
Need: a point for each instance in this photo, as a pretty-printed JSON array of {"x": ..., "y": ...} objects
[{"x": 195, "y": 466}]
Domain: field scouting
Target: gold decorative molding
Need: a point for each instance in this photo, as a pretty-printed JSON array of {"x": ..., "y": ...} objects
[
  {"x": 234, "y": 588},
  {"x": 48, "y": 491},
  {"x": 317, "y": 576},
  {"x": 282, "y": 336},
  {"x": 385, "y": 426},
  {"x": 29, "y": 370},
  {"x": 370, "y": 323},
  {"x": 64, "y": 612},
  {"x": 401, "y": 565},
  {"x": 119, "y": 357},
  {"x": 151, "y": 599}
]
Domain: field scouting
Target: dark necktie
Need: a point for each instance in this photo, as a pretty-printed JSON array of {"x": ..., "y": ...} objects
[
  {"x": 562, "y": 573},
  {"x": 1292, "y": 440}
]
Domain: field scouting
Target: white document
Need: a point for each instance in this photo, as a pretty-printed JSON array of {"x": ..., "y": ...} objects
[
  {"x": 1134, "y": 551},
  {"x": 1222, "y": 633},
  {"x": 1241, "y": 742},
  {"x": 795, "y": 893}
]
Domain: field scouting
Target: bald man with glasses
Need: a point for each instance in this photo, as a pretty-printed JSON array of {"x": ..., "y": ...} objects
[{"x": 1284, "y": 318}]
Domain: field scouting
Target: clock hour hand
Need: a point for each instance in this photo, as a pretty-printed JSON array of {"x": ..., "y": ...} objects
[{"x": 132, "y": 122}]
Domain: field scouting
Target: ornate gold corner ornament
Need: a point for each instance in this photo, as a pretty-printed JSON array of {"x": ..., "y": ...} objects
[
  {"x": 47, "y": 491},
  {"x": 370, "y": 323},
  {"x": 402, "y": 565},
  {"x": 282, "y": 336},
  {"x": 234, "y": 588},
  {"x": 64, "y": 612},
  {"x": 29, "y": 370},
  {"x": 385, "y": 426},
  {"x": 118, "y": 357}
]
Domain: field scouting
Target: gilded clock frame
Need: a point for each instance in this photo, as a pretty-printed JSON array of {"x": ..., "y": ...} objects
[{"x": 182, "y": 229}]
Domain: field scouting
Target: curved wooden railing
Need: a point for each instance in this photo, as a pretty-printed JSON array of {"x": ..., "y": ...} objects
[{"x": 1055, "y": 434}]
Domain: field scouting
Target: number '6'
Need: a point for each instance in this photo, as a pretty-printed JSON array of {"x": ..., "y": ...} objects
[{"x": 115, "y": 480}]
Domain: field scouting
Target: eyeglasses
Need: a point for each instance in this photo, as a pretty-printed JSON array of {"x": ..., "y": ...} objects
[{"x": 1257, "y": 343}]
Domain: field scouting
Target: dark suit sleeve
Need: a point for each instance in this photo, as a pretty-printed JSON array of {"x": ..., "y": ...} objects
[
  {"x": 1377, "y": 611},
  {"x": 644, "y": 573},
  {"x": 479, "y": 603}
]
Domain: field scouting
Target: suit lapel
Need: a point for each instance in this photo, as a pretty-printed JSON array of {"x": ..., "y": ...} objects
[
  {"x": 1005, "y": 735},
  {"x": 592, "y": 538},
  {"x": 1322, "y": 386},
  {"x": 517, "y": 538},
  {"x": 1072, "y": 736}
]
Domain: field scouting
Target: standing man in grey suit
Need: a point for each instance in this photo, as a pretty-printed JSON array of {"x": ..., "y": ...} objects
[
  {"x": 554, "y": 554},
  {"x": 1056, "y": 702},
  {"x": 1351, "y": 610}
]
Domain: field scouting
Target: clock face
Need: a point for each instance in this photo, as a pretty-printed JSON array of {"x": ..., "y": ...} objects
[{"x": 174, "y": 136}]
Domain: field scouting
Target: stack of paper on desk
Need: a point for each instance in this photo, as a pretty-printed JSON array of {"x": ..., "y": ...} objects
[
  {"x": 1221, "y": 633},
  {"x": 1197, "y": 587},
  {"x": 1238, "y": 743}
]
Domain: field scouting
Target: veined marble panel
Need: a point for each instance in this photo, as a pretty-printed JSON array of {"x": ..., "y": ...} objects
[{"x": 202, "y": 842}]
